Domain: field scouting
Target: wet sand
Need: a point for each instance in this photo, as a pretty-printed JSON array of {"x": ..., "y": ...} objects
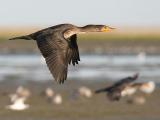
[{"x": 95, "y": 108}]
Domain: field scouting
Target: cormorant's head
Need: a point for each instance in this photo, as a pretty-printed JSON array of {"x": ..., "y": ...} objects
[
  {"x": 97, "y": 28},
  {"x": 106, "y": 28}
]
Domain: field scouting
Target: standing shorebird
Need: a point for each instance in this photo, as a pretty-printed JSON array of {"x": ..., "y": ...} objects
[
  {"x": 58, "y": 45},
  {"x": 57, "y": 99},
  {"x": 85, "y": 91},
  {"x": 120, "y": 88}
]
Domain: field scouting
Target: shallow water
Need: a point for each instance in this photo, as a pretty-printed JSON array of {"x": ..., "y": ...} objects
[{"x": 92, "y": 67}]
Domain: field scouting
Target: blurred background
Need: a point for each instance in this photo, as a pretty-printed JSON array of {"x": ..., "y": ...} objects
[{"x": 134, "y": 47}]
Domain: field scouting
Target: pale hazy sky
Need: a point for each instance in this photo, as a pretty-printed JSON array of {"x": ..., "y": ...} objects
[{"x": 49, "y": 12}]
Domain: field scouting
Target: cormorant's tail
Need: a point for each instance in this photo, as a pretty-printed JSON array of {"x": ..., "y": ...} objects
[{"x": 27, "y": 37}]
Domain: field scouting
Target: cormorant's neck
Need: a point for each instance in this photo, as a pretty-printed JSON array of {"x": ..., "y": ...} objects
[
  {"x": 83, "y": 29},
  {"x": 86, "y": 29},
  {"x": 78, "y": 30}
]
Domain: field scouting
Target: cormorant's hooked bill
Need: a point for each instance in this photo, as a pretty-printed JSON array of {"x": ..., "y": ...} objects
[{"x": 107, "y": 29}]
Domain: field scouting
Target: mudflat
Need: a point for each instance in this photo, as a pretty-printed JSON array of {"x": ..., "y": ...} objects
[{"x": 97, "y": 107}]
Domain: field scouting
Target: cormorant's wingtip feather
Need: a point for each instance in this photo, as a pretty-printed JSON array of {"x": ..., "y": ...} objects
[{"x": 60, "y": 81}]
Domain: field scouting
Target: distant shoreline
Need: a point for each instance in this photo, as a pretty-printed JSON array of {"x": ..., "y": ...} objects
[{"x": 118, "y": 46}]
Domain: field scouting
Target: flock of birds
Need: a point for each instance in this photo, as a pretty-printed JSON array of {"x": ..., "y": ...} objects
[{"x": 125, "y": 87}]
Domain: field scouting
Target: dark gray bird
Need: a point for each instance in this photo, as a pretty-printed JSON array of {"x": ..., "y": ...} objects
[
  {"x": 58, "y": 45},
  {"x": 115, "y": 92}
]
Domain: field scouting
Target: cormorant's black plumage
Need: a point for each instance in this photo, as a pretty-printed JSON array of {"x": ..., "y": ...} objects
[{"x": 58, "y": 45}]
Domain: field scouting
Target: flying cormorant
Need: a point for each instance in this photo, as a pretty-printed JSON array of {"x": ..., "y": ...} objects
[
  {"x": 116, "y": 91},
  {"x": 58, "y": 45}
]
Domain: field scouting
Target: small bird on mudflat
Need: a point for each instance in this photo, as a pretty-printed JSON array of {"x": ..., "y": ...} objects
[
  {"x": 58, "y": 45},
  {"x": 145, "y": 87},
  {"x": 18, "y": 104}
]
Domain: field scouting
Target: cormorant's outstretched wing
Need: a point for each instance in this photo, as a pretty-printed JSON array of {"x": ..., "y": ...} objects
[
  {"x": 126, "y": 81},
  {"x": 55, "y": 54},
  {"x": 73, "y": 52}
]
